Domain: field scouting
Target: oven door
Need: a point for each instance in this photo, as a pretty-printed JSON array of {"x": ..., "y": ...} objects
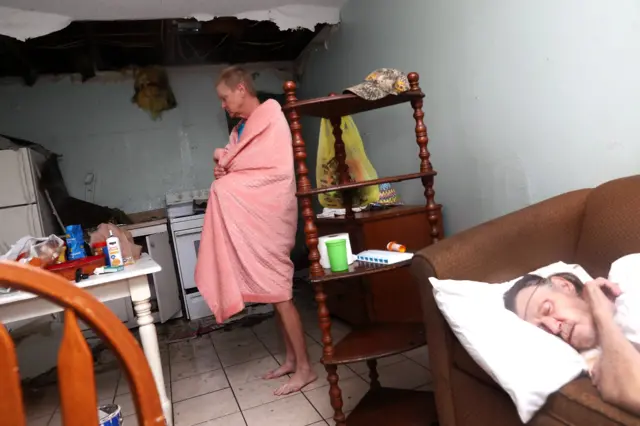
[{"x": 187, "y": 246}]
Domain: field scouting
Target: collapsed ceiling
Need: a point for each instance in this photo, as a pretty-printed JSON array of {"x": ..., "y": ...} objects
[
  {"x": 87, "y": 36},
  {"x": 87, "y": 47},
  {"x": 23, "y": 19}
]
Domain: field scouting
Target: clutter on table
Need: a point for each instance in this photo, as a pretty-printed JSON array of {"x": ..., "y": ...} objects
[{"x": 77, "y": 256}]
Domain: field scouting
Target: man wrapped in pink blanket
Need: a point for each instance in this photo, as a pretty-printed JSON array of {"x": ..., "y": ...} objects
[{"x": 251, "y": 221}]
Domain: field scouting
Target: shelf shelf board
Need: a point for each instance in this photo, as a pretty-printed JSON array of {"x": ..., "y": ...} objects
[
  {"x": 357, "y": 269},
  {"x": 347, "y": 104},
  {"x": 355, "y": 185},
  {"x": 377, "y": 341},
  {"x": 397, "y": 407},
  {"x": 375, "y": 214}
]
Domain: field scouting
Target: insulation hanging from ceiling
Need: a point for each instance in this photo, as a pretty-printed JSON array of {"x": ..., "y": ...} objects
[{"x": 152, "y": 91}]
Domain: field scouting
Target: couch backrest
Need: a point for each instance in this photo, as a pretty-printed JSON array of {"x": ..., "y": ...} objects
[{"x": 611, "y": 225}]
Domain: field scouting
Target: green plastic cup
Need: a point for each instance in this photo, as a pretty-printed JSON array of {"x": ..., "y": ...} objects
[{"x": 337, "y": 252}]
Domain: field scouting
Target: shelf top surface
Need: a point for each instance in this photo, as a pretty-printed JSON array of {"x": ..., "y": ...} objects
[
  {"x": 347, "y": 104},
  {"x": 357, "y": 269}
]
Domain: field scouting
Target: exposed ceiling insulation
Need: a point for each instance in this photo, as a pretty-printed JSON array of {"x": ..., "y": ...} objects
[
  {"x": 89, "y": 47},
  {"x": 23, "y": 19}
]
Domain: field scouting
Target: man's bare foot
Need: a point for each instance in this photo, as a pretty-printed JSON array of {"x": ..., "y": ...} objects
[
  {"x": 299, "y": 380},
  {"x": 286, "y": 368}
]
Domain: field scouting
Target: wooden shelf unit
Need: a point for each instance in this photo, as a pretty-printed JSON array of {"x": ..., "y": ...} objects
[{"x": 376, "y": 340}]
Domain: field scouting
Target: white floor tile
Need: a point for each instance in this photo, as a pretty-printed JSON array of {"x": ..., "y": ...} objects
[
  {"x": 275, "y": 344},
  {"x": 225, "y": 340},
  {"x": 56, "y": 420},
  {"x": 205, "y": 407},
  {"x": 106, "y": 384},
  {"x": 258, "y": 392},
  {"x": 130, "y": 421},
  {"x": 123, "y": 385},
  {"x": 40, "y": 421},
  {"x": 251, "y": 370},
  {"x": 266, "y": 327},
  {"x": 353, "y": 389},
  {"x": 126, "y": 404},
  {"x": 42, "y": 402},
  {"x": 195, "y": 366},
  {"x": 199, "y": 385},
  {"x": 403, "y": 375},
  {"x": 314, "y": 351},
  {"x": 242, "y": 354},
  {"x": 292, "y": 411},
  {"x": 420, "y": 355},
  {"x": 233, "y": 420},
  {"x": 190, "y": 349}
]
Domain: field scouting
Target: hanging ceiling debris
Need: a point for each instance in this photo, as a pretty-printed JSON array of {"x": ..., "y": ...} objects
[
  {"x": 87, "y": 47},
  {"x": 23, "y": 19}
]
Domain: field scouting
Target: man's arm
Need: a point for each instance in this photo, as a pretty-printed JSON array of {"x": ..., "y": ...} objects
[{"x": 617, "y": 374}]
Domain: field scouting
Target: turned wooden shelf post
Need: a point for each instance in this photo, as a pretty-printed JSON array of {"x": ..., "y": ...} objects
[
  {"x": 425, "y": 165},
  {"x": 311, "y": 234}
]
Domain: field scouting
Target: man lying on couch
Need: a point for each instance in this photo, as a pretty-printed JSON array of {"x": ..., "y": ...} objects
[{"x": 582, "y": 314}]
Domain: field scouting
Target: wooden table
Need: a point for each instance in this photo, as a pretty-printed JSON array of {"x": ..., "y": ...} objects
[{"x": 132, "y": 282}]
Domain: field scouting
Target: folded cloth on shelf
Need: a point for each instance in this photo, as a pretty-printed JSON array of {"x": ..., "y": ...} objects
[{"x": 251, "y": 218}]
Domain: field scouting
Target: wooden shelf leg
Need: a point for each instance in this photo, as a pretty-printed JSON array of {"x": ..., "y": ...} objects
[
  {"x": 373, "y": 373},
  {"x": 422, "y": 139},
  {"x": 335, "y": 394},
  {"x": 342, "y": 168}
]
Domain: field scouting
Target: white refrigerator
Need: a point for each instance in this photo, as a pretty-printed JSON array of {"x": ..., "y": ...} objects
[{"x": 24, "y": 210}]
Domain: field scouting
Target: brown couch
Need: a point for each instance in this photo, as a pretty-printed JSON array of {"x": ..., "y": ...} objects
[{"x": 591, "y": 227}]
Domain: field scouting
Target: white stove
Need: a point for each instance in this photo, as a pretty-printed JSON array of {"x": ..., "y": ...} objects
[{"x": 185, "y": 211}]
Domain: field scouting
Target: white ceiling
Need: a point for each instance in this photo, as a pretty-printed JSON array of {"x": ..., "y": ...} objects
[{"x": 24, "y": 19}]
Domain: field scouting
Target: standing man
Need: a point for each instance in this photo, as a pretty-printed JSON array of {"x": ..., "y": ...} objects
[{"x": 251, "y": 222}]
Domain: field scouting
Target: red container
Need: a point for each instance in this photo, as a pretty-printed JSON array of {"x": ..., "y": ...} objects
[{"x": 68, "y": 269}]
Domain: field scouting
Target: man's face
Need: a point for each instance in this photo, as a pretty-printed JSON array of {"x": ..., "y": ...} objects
[
  {"x": 558, "y": 310},
  {"x": 232, "y": 100}
]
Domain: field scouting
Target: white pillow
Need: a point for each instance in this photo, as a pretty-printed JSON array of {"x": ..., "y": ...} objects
[{"x": 529, "y": 363}]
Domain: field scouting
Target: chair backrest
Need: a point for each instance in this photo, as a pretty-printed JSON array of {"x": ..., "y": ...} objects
[
  {"x": 611, "y": 225},
  {"x": 75, "y": 363}
]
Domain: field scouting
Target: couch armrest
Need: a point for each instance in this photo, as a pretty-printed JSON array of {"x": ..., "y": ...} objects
[{"x": 495, "y": 251}]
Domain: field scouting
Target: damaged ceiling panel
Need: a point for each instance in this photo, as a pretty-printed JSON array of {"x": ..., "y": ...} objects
[
  {"x": 23, "y": 19},
  {"x": 88, "y": 47}
]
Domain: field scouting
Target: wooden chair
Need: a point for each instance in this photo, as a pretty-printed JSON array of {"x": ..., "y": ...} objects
[{"x": 75, "y": 363}]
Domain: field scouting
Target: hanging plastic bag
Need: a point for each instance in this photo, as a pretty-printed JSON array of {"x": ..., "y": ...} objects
[{"x": 360, "y": 168}]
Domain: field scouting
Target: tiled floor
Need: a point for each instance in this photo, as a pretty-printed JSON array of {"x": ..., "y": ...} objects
[{"x": 215, "y": 380}]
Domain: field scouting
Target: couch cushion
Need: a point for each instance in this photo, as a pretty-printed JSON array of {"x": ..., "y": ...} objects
[
  {"x": 578, "y": 403},
  {"x": 611, "y": 225}
]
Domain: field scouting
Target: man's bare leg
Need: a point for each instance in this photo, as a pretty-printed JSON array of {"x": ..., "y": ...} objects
[
  {"x": 293, "y": 329},
  {"x": 289, "y": 365}
]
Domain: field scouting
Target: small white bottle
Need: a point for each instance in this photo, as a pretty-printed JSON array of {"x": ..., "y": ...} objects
[{"x": 115, "y": 254}]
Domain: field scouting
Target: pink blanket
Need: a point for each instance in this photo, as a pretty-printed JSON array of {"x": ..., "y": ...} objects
[{"x": 251, "y": 218}]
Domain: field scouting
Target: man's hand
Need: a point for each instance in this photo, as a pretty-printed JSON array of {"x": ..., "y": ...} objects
[
  {"x": 601, "y": 295},
  {"x": 218, "y": 172}
]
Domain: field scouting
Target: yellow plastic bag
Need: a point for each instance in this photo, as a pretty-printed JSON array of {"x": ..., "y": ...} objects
[{"x": 360, "y": 168}]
